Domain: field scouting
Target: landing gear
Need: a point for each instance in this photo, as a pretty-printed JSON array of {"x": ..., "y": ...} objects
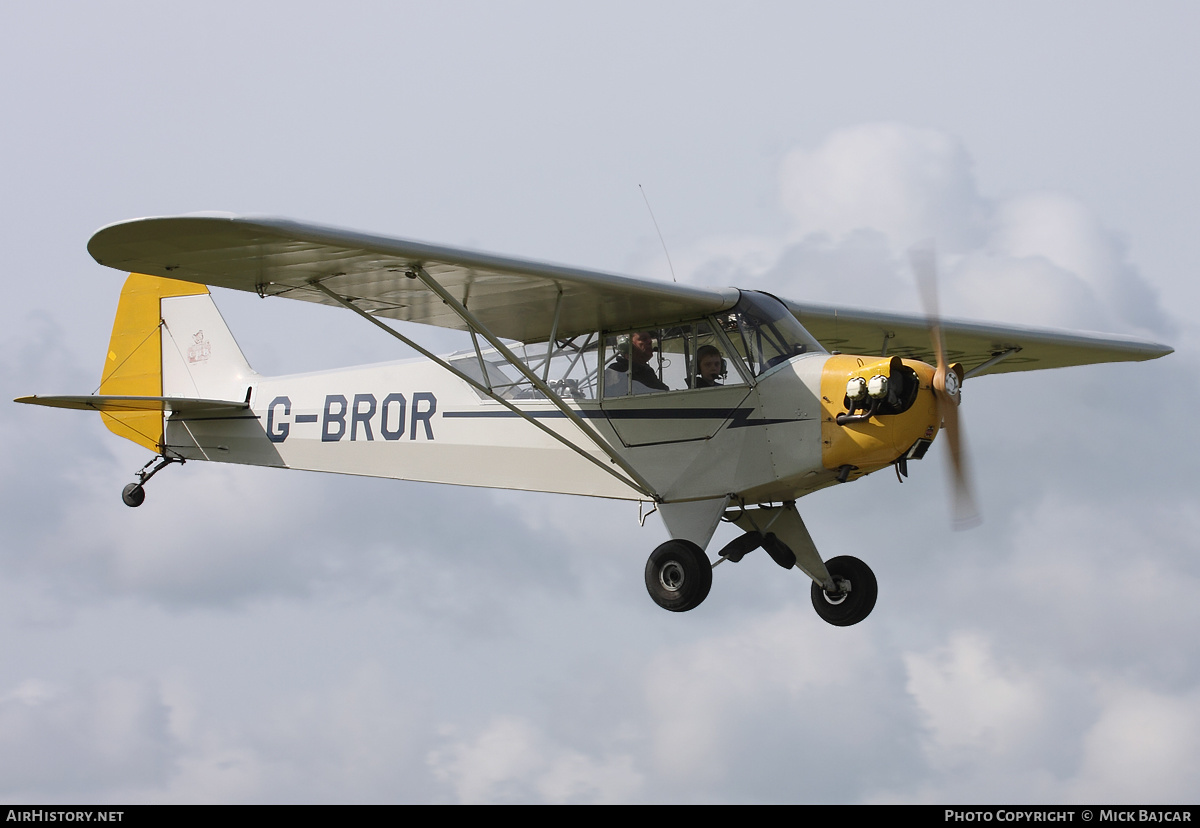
[
  {"x": 678, "y": 575},
  {"x": 855, "y": 597},
  {"x": 134, "y": 494}
]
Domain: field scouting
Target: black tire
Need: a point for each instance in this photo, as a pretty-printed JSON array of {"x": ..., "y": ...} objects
[
  {"x": 678, "y": 575},
  {"x": 854, "y": 606},
  {"x": 133, "y": 495}
]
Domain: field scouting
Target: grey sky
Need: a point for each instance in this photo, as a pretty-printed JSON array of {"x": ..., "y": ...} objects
[{"x": 252, "y": 635}]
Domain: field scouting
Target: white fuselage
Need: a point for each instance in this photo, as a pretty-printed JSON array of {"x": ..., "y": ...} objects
[{"x": 414, "y": 420}]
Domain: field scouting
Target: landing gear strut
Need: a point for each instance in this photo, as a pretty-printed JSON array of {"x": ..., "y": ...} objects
[
  {"x": 134, "y": 494},
  {"x": 843, "y": 588}
]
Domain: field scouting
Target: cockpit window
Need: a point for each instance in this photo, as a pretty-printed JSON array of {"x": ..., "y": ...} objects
[
  {"x": 765, "y": 333},
  {"x": 689, "y": 355},
  {"x": 567, "y": 366}
]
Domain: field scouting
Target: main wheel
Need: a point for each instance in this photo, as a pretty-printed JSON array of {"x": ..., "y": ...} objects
[
  {"x": 678, "y": 575},
  {"x": 847, "y": 608},
  {"x": 133, "y": 494}
]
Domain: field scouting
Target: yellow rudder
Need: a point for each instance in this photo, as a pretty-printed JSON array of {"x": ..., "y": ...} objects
[{"x": 133, "y": 367}]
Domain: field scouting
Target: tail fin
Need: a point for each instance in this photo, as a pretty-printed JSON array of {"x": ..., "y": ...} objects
[{"x": 168, "y": 340}]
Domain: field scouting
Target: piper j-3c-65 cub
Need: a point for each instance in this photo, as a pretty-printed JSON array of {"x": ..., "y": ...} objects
[{"x": 714, "y": 404}]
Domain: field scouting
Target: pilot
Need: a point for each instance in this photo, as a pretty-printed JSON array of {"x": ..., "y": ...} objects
[
  {"x": 710, "y": 367},
  {"x": 641, "y": 347}
]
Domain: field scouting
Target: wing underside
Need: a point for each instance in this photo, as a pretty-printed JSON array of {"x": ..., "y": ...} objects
[
  {"x": 980, "y": 347},
  {"x": 516, "y": 299}
]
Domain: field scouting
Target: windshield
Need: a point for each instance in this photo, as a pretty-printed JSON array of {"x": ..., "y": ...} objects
[{"x": 765, "y": 333}]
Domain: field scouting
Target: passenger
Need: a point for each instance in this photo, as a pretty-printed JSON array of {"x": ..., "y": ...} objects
[
  {"x": 710, "y": 367},
  {"x": 641, "y": 346}
]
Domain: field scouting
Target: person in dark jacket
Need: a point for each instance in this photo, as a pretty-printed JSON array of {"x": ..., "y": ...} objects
[{"x": 641, "y": 348}]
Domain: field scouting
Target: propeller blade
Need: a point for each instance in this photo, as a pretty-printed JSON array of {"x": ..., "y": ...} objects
[
  {"x": 923, "y": 258},
  {"x": 966, "y": 512},
  {"x": 946, "y": 389}
]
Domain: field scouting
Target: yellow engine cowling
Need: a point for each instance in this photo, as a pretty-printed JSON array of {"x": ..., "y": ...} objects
[{"x": 879, "y": 440}]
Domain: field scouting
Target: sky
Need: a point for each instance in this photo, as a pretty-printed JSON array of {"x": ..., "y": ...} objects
[{"x": 261, "y": 636}]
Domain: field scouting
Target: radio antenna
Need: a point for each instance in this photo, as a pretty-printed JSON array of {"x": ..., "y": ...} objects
[{"x": 660, "y": 235}]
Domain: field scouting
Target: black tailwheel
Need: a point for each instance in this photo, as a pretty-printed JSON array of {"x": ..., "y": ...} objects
[
  {"x": 678, "y": 575},
  {"x": 853, "y": 605},
  {"x": 133, "y": 495}
]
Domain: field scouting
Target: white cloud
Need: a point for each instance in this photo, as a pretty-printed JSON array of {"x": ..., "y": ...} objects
[
  {"x": 511, "y": 760},
  {"x": 1144, "y": 747},
  {"x": 906, "y": 182},
  {"x": 1026, "y": 729},
  {"x": 1071, "y": 252},
  {"x": 976, "y": 708},
  {"x": 775, "y": 709},
  {"x": 858, "y": 201},
  {"x": 86, "y": 738}
]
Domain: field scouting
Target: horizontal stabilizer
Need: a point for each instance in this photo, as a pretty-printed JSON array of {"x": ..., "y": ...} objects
[{"x": 111, "y": 404}]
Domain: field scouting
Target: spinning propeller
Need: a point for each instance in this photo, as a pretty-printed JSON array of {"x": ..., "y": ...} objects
[{"x": 947, "y": 387}]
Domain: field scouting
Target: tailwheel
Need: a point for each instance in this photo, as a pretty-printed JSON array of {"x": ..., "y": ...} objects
[
  {"x": 133, "y": 495},
  {"x": 855, "y": 598},
  {"x": 678, "y": 575}
]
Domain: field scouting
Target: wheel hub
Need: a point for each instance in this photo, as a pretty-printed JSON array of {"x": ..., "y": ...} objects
[
  {"x": 671, "y": 576},
  {"x": 678, "y": 575},
  {"x": 838, "y": 597}
]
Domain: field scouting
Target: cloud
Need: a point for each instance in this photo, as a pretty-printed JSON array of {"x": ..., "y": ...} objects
[
  {"x": 866, "y": 194},
  {"x": 1073, "y": 254},
  {"x": 83, "y": 738},
  {"x": 997, "y": 726},
  {"x": 1143, "y": 747},
  {"x": 512, "y": 761},
  {"x": 774, "y": 710},
  {"x": 905, "y": 182},
  {"x": 990, "y": 722}
]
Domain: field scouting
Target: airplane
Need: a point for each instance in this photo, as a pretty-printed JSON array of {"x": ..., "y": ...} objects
[{"x": 711, "y": 404}]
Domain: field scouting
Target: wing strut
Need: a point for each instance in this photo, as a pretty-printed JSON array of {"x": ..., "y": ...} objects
[
  {"x": 474, "y": 324},
  {"x": 637, "y": 482},
  {"x": 983, "y": 366}
]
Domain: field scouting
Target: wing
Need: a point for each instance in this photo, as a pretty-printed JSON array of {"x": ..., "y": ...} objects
[
  {"x": 514, "y": 298},
  {"x": 519, "y": 299},
  {"x": 979, "y": 347}
]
